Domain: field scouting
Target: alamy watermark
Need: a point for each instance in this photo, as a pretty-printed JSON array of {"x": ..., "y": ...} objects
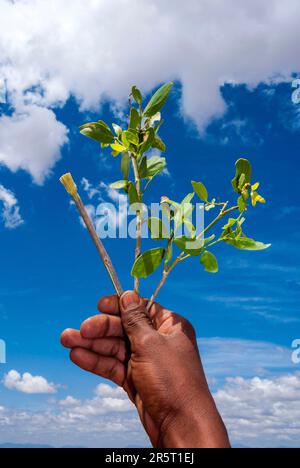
[
  {"x": 296, "y": 93},
  {"x": 296, "y": 352},
  {"x": 2, "y": 352},
  {"x": 159, "y": 221}
]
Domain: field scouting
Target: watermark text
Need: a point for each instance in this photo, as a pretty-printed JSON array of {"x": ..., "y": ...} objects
[
  {"x": 2, "y": 352},
  {"x": 296, "y": 352},
  {"x": 296, "y": 93}
]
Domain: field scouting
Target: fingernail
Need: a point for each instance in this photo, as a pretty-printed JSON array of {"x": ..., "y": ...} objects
[{"x": 130, "y": 299}]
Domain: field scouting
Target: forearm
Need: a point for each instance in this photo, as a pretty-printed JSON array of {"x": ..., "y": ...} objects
[{"x": 196, "y": 427}]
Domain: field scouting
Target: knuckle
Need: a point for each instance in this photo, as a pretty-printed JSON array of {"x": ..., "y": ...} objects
[
  {"x": 186, "y": 326},
  {"x": 115, "y": 350},
  {"x": 135, "y": 317},
  {"x": 113, "y": 370}
]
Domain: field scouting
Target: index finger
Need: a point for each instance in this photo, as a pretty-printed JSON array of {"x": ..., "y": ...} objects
[
  {"x": 109, "y": 305},
  {"x": 102, "y": 326}
]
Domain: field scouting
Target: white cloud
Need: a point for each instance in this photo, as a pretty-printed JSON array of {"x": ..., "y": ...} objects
[
  {"x": 27, "y": 383},
  {"x": 89, "y": 189},
  {"x": 31, "y": 140},
  {"x": 11, "y": 211},
  {"x": 69, "y": 401},
  {"x": 87, "y": 50},
  {"x": 259, "y": 412},
  {"x": 262, "y": 412},
  {"x": 108, "y": 419},
  {"x": 261, "y": 406}
]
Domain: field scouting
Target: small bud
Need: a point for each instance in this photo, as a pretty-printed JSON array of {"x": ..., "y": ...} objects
[
  {"x": 164, "y": 200},
  {"x": 69, "y": 184}
]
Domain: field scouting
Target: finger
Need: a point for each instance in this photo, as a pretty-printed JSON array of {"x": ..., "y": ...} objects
[
  {"x": 109, "y": 305},
  {"x": 102, "y": 326},
  {"x": 106, "y": 367},
  {"x": 160, "y": 316},
  {"x": 72, "y": 339},
  {"x": 110, "y": 347},
  {"x": 135, "y": 318}
]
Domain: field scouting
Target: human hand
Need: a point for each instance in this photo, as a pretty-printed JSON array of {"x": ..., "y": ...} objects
[{"x": 155, "y": 358}]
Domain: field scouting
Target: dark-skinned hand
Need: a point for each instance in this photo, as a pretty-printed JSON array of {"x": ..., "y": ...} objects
[{"x": 154, "y": 357}]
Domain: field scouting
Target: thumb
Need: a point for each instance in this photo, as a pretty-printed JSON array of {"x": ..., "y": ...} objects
[{"x": 135, "y": 318}]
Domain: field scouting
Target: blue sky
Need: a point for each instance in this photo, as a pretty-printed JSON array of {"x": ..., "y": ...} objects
[
  {"x": 246, "y": 317},
  {"x": 52, "y": 277}
]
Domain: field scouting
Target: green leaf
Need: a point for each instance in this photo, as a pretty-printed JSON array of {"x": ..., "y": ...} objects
[
  {"x": 245, "y": 243},
  {"x": 97, "y": 131},
  {"x": 188, "y": 198},
  {"x": 118, "y": 130},
  {"x": 158, "y": 229},
  {"x": 120, "y": 184},
  {"x": 125, "y": 165},
  {"x": 148, "y": 141},
  {"x": 242, "y": 204},
  {"x": 130, "y": 137},
  {"x": 191, "y": 228},
  {"x": 243, "y": 169},
  {"x": 183, "y": 213},
  {"x": 158, "y": 100},
  {"x": 132, "y": 193},
  {"x": 159, "y": 144},
  {"x": 209, "y": 239},
  {"x": 231, "y": 222},
  {"x": 189, "y": 246},
  {"x": 137, "y": 95},
  {"x": 147, "y": 263},
  {"x": 210, "y": 263},
  {"x": 256, "y": 198},
  {"x": 118, "y": 148},
  {"x": 200, "y": 190},
  {"x": 242, "y": 181},
  {"x": 158, "y": 125},
  {"x": 150, "y": 167},
  {"x": 135, "y": 119}
]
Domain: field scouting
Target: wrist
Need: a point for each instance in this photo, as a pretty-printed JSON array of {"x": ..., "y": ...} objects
[{"x": 197, "y": 424}]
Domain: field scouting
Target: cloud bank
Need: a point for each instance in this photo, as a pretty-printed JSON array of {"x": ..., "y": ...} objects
[
  {"x": 262, "y": 412},
  {"x": 259, "y": 412},
  {"x": 95, "y": 50}
]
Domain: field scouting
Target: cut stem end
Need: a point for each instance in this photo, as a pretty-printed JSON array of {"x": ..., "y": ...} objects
[{"x": 69, "y": 184}]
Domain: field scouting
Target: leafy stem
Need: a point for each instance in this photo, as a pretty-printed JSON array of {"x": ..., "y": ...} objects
[
  {"x": 183, "y": 256},
  {"x": 139, "y": 222},
  {"x": 136, "y": 144}
]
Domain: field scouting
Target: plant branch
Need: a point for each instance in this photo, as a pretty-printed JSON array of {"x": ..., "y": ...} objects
[
  {"x": 221, "y": 215},
  {"x": 139, "y": 222},
  {"x": 183, "y": 256},
  {"x": 71, "y": 188},
  {"x": 157, "y": 290}
]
